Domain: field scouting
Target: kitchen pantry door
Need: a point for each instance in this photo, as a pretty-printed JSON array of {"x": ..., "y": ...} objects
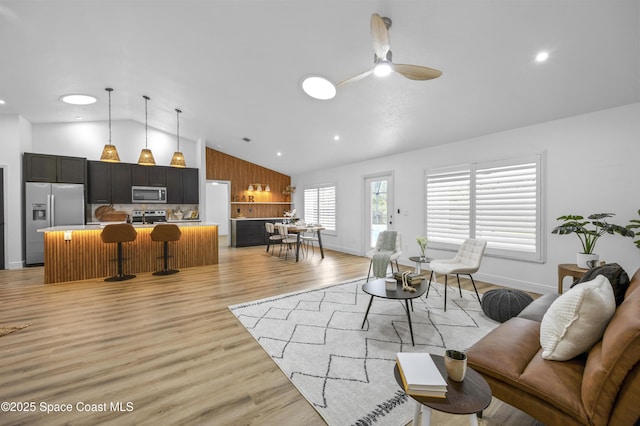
[{"x": 378, "y": 207}]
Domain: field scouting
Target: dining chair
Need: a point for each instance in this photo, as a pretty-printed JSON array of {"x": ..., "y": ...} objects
[
  {"x": 273, "y": 237},
  {"x": 467, "y": 262},
  {"x": 287, "y": 239},
  {"x": 308, "y": 238}
]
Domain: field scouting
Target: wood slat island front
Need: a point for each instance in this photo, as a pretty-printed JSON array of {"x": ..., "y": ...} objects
[{"x": 85, "y": 256}]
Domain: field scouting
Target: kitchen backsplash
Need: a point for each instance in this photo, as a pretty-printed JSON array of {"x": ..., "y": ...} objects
[{"x": 174, "y": 211}]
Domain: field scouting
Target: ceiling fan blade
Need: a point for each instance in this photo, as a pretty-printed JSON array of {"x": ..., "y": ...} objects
[
  {"x": 416, "y": 72},
  {"x": 355, "y": 78},
  {"x": 380, "y": 36}
]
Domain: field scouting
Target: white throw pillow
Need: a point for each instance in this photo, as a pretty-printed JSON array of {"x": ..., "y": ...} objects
[{"x": 576, "y": 320}]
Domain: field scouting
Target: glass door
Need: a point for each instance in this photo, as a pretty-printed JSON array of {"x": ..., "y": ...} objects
[{"x": 379, "y": 207}]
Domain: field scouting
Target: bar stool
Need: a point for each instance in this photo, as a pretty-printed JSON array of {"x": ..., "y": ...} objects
[
  {"x": 119, "y": 233},
  {"x": 165, "y": 233}
]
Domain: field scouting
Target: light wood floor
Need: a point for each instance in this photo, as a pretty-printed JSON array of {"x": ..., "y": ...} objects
[{"x": 167, "y": 345}]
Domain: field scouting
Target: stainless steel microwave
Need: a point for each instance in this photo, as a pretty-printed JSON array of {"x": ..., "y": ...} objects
[{"x": 148, "y": 194}]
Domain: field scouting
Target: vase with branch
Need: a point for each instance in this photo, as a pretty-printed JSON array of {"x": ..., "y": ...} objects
[{"x": 422, "y": 243}]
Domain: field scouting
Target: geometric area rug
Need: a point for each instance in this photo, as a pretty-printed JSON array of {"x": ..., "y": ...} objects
[{"x": 345, "y": 372}]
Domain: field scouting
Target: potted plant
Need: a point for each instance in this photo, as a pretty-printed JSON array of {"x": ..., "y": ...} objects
[
  {"x": 635, "y": 223},
  {"x": 588, "y": 232}
]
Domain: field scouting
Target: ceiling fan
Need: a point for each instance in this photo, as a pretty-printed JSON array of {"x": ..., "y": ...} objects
[{"x": 321, "y": 88}]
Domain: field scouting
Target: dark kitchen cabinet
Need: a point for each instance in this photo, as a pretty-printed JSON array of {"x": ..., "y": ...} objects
[
  {"x": 148, "y": 175},
  {"x": 245, "y": 233},
  {"x": 121, "y": 183},
  {"x": 190, "y": 187},
  {"x": 99, "y": 177},
  {"x": 39, "y": 167},
  {"x": 182, "y": 186},
  {"x": 71, "y": 169},
  {"x": 174, "y": 185},
  {"x": 53, "y": 168}
]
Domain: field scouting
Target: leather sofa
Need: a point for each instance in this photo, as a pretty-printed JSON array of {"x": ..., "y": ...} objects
[{"x": 601, "y": 387}]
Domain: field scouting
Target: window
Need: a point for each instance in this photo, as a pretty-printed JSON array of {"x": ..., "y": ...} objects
[
  {"x": 499, "y": 202},
  {"x": 320, "y": 206}
]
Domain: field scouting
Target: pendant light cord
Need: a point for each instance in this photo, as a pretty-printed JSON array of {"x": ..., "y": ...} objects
[
  {"x": 109, "y": 90},
  {"x": 146, "y": 98},
  {"x": 178, "y": 127}
]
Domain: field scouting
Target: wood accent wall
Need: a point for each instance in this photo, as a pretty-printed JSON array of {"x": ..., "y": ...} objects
[
  {"x": 85, "y": 256},
  {"x": 241, "y": 173}
]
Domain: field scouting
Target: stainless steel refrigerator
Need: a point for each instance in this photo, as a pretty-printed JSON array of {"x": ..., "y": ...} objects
[{"x": 49, "y": 204}]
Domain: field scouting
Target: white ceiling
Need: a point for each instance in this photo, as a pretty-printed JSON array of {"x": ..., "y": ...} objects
[{"x": 234, "y": 68}]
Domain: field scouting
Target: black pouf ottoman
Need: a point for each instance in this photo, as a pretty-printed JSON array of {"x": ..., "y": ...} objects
[{"x": 504, "y": 303}]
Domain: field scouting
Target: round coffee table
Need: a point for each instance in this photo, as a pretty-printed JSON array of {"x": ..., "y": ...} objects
[
  {"x": 469, "y": 397},
  {"x": 419, "y": 260},
  {"x": 377, "y": 288}
]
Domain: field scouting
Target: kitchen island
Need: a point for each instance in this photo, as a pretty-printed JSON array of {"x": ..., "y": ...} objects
[{"x": 76, "y": 252}]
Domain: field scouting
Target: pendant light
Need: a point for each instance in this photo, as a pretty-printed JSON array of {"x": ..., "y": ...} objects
[
  {"x": 109, "y": 152},
  {"x": 146, "y": 156},
  {"x": 178, "y": 159}
]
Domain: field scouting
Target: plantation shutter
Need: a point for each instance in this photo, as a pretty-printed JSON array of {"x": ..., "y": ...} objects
[
  {"x": 327, "y": 207},
  {"x": 311, "y": 205},
  {"x": 506, "y": 206},
  {"x": 448, "y": 200},
  {"x": 320, "y": 206}
]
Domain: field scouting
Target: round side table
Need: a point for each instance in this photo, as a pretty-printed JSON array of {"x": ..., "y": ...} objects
[
  {"x": 469, "y": 397},
  {"x": 419, "y": 260}
]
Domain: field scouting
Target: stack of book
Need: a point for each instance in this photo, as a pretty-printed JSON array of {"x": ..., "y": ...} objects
[
  {"x": 420, "y": 376},
  {"x": 413, "y": 279}
]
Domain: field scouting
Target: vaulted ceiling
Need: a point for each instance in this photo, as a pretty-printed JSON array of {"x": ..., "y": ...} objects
[{"x": 235, "y": 67}]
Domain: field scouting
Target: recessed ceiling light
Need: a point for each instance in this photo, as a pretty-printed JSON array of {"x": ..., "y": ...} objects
[
  {"x": 542, "y": 56},
  {"x": 279, "y": 154},
  {"x": 2, "y": 102},
  {"x": 78, "y": 118},
  {"x": 318, "y": 87},
  {"x": 336, "y": 138},
  {"x": 78, "y": 99}
]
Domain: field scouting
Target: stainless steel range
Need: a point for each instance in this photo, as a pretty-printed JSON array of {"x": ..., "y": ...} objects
[{"x": 148, "y": 216}]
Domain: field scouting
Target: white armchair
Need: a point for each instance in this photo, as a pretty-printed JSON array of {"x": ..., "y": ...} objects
[
  {"x": 379, "y": 248},
  {"x": 467, "y": 262}
]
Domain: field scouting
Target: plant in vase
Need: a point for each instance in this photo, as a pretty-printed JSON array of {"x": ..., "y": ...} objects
[
  {"x": 588, "y": 232},
  {"x": 422, "y": 243},
  {"x": 635, "y": 223}
]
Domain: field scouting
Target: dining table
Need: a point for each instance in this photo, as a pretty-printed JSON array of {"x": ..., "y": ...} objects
[{"x": 301, "y": 229}]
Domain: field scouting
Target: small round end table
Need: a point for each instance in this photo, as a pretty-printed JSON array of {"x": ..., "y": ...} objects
[
  {"x": 419, "y": 260},
  {"x": 469, "y": 397}
]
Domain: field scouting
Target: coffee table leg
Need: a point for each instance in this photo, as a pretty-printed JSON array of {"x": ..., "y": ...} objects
[
  {"x": 406, "y": 302},
  {"x": 367, "y": 313}
]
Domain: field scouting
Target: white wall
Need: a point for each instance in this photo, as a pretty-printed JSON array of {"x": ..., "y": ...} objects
[
  {"x": 86, "y": 139},
  {"x": 217, "y": 205},
  {"x": 15, "y": 137},
  {"x": 591, "y": 168}
]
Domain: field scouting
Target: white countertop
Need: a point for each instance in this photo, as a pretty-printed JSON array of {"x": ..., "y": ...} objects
[
  {"x": 259, "y": 218},
  {"x": 92, "y": 226}
]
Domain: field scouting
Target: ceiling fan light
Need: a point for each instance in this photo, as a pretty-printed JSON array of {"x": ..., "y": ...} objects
[
  {"x": 382, "y": 68},
  {"x": 319, "y": 87}
]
